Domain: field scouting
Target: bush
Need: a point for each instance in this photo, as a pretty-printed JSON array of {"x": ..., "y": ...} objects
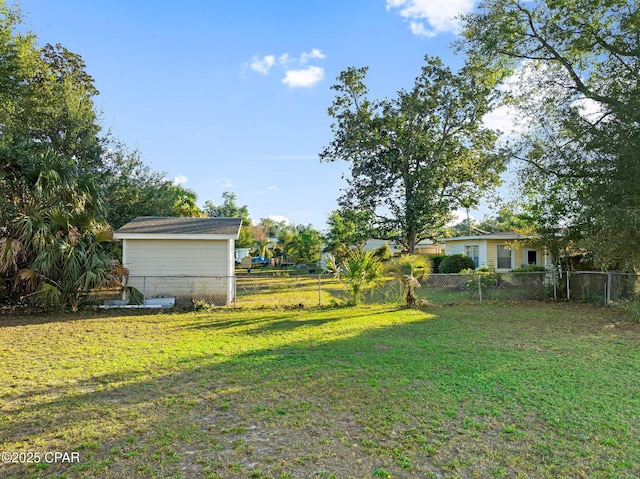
[
  {"x": 532, "y": 268},
  {"x": 455, "y": 263},
  {"x": 531, "y": 278},
  {"x": 435, "y": 261}
]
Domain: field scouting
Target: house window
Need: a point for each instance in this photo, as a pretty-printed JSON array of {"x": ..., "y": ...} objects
[
  {"x": 473, "y": 253},
  {"x": 532, "y": 256},
  {"x": 504, "y": 257}
]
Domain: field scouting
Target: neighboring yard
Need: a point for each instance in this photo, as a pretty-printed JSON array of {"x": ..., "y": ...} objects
[{"x": 520, "y": 390}]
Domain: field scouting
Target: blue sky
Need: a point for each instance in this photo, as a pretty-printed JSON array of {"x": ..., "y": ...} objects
[{"x": 233, "y": 95}]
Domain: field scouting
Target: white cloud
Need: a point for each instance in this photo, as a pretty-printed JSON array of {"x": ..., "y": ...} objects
[
  {"x": 297, "y": 73},
  {"x": 224, "y": 183},
  {"x": 418, "y": 29},
  {"x": 284, "y": 59},
  {"x": 279, "y": 218},
  {"x": 459, "y": 216},
  {"x": 272, "y": 187},
  {"x": 262, "y": 65},
  {"x": 314, "y": 53},
  {"x": 439, "y": 15},
  {"x": 504, "y": 119},
  {"x": 179, "y": 180},
  {"x": 589, "y": 109},
  {"x": 303, "y": 78}
]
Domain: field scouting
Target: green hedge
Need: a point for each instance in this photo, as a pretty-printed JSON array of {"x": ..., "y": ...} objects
[{"x": 455, "y": 263}]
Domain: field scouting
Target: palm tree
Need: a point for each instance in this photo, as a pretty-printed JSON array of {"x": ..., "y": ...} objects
[
  {"x": 285, "y": 240},
  {"x": 410, "y": 269},
  {"x": 54, "y": 250},
  {"x": 360, "y": 272}
]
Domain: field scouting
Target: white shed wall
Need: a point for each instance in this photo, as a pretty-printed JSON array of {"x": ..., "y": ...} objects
[{"x": 154, "y": 265}]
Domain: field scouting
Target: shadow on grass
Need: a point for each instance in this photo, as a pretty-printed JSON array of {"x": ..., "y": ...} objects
[{"x": 404, "y": 386}]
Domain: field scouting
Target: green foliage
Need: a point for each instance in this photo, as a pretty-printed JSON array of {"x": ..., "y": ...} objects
[
  {"x": 359, "y": 272},
  {"x": 136, "y": 190},
  {"x": 416, "y": 157},
  {"x": 632, "y": 307},
  {"x": 306, "y": 245},
  {"x": 455, "y": 263},
  {"x": 229, "y": 209},
  {"x": 56, "y": 249},
  {"x": 347, "y": 229},
  {"x": 383, "y": 253},
  {"x": 436, "y": 260},
  {"x": 506, "y": 219},
  {"x": 488, "y": 278},
  {"x": 531, "y": 268},
  {"x": 410, "y": 270},
  {"x": 577, "y": 65}
]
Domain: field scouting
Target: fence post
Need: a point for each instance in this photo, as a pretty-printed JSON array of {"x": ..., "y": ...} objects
[
  {"x": 608, "y": 294},
  {"x": 144, "y": 289},
  {"x": 319, "y": 290},
  {"x": 235, "y": 291},
  {"x": 568, "y": 290},
  {"x": 480, "y": 289}
]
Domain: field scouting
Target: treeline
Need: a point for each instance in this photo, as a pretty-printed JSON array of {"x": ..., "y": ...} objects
[
  {"x": 568, "y": 74},
  {"x": 64, "y": 182}
]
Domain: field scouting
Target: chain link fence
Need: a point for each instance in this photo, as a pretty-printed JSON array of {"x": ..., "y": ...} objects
[{"x": 298, "y": 291}]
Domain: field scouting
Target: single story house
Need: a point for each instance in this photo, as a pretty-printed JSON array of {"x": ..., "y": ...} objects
[
  {"x": 186, "y": 258},
  {"x": 500, "y": 251},
  {"x": 424, "y": 247}
]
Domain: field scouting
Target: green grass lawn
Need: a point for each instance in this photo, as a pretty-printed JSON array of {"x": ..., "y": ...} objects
[{"x": 529, "y": 390}]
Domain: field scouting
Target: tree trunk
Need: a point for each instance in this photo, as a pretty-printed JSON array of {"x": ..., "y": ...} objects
[{"x": 411, "y": 241}]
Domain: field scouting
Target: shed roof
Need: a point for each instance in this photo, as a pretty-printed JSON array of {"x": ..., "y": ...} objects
[{"x": 178, "y": 227}]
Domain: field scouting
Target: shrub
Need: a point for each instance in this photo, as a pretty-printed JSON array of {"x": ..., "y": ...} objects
[
  {"x": 488, "y": 278},
  {"x": 360, "y": 272},
  {"x": 435, "y": 261},
  {"x": 531, "y": 278},
  {"x": 383, "y": 253},
  {"x": 532, "y": 268},
  {"x": 455, "y": 263},
  {"x": 410, "y": 269}
]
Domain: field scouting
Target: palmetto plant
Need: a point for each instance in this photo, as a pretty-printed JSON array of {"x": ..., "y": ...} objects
[
  {"x": 360, "y": 272},
  {"x": 55, "y": 249},
  {"x": 410, "y": 270}
]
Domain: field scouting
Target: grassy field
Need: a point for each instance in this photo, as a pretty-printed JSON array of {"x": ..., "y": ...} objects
[{"x": 531, "y": 390}]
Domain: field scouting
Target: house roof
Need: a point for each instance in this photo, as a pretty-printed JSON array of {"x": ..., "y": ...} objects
[
  {"x": 165, "y": 227},
  {"x": 504, "y": 235}
]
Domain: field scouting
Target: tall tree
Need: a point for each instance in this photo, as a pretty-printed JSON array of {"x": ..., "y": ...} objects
[
  {"x": 306, "y": 245},
  {"x": 348, "y": 229},
  {"x": 230, "y": 209},
  {"x": 416, "y": 157},
  {"x": 582, "y": 101},
  {"x": 137, "y": 190},
  {"x": 52, "y": 230}
]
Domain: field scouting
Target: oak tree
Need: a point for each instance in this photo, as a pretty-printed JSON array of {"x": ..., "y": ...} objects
[{"x": 416, "y": 157}]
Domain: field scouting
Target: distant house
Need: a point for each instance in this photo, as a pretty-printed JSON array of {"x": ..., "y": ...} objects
[
  {"x": 424, "y": 247},
  {"x": 186, "y": 258},
  {"x": 499, "y": 251}
]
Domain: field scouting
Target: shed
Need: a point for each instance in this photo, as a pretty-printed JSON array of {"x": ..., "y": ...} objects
[{"x": 186, "y": 258}]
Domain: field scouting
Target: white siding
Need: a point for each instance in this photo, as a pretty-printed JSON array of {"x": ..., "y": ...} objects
[
  {"x": 178, "y": 257},
  {"x": 459, "y": 247},
  {"x": 155, "y": 267}
]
